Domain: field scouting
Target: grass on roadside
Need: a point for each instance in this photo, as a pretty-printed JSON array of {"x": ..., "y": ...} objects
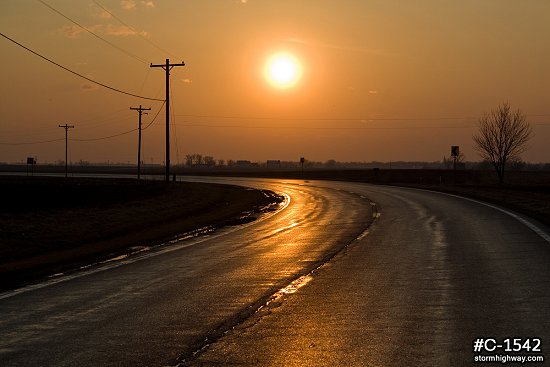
[{"x": 50, "y": 225}]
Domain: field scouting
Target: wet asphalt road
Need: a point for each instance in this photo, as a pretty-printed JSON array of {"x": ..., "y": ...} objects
[
  {"x": 432, "y": 273},
  {"x": 151, "y": 312}
]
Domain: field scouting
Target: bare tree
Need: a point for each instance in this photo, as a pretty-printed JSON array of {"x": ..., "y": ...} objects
[
  {"x": 209, "y": 161},
  {"x": 502, "y": 136},
  {"x": 189, "y": 160},
  {"x": 197, "y": 159}
]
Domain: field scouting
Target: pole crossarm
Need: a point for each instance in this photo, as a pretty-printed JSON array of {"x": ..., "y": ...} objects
[
  {"x": 140, "y": 109},
  {"x": 167, "y": 67}
]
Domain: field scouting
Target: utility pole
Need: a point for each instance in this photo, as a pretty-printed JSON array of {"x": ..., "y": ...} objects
[
  {"x": 140, "y": 111},
  {"x": 167, "y": 67},
  {"x": 66, "y": 127}
]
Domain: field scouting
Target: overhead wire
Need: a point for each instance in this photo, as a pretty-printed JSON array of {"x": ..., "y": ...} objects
[
  {"x": 329, "y": 118},
  {"x": 91, "y": 139},
  {"x": 37, "y": 131},
  {"x": 133, "y": 29},
  {"x": 118, "y": 134},
  {"x": 32, "y": 142},
  {"x": 127, "y": 53},
  {"x": 78, "y": 74},
  {"x": 114, "y": 118},
  {"x": 145, "y": 79},
  {"x": 143, "y": 143},
  {"x": 365, "y": 120},
  {"x": 326, "y": 128},
  {"x": 362, "y": 119},
  {"x": 109, "y": 115},
  {"x": 106, "y": 137},
  {"x": 155, "y": 118},
  {"x": 173, "y": 123}
]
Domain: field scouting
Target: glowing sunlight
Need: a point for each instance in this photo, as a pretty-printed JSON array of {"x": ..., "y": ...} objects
[{"x": 283, "y": 70}]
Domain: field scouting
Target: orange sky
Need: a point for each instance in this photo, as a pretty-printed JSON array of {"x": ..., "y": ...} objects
[{"x": 381, "y": 80}]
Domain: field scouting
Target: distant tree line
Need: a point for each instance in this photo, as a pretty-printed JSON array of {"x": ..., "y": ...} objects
[
  {"x": 199, "y": 161},
  {"x": 502, "y": 136}
]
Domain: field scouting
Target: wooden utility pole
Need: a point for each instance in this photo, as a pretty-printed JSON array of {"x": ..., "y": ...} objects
[
  {"x": 167, "y": 67},
  {"x": 66, "y": 127},
  {"x": 140, "y": 111}
]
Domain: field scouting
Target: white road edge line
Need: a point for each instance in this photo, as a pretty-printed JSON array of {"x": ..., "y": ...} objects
[
  {"x": 375, "y": 216},
  {"x": 127, "y": 261},
  {"x": 545, "y": 236}
]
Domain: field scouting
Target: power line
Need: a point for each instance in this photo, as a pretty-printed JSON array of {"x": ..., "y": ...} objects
[
  {"x": 250, "y": 127},
  {"x": 122, "y": 133},
  {"x": 145, "y": 80},
  {"x": 331, "y": 118},
  {"x": 77, "y": 74},
  {"x": 125, "y": 132},
  {"x": 106, "y": 137},
  {"x": 32, "y": 142},
  {"x": 175, "y": 135},
  {"x": 367, "y": 119},
  {"x": 110, "y": 119},
  {"x": 92, "y": 139},
  {"x": 326, "y": 128},
  {"x": 127, "y": 53},
  {"x": 155, "y": 118},
  {"x": 133, "y": 29}
]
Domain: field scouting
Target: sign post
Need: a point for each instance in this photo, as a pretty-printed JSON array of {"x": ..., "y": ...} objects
[
  {"x": 455, "y": 153},
  {"x": 31, "y": 161}
]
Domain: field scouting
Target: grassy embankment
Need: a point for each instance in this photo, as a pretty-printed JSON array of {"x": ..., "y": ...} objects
[{"x": 51, "y": 225}]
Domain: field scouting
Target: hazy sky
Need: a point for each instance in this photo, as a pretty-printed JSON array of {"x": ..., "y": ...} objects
[{"x": 381, "y": 80}]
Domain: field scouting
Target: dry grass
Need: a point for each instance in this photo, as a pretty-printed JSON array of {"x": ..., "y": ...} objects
[{"x": 50, "y": 225}]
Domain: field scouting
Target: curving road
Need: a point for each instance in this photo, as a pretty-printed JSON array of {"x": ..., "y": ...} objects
[{"x": 432, "y": 273}]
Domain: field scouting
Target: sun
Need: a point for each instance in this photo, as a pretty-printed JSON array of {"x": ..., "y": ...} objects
[{"x": 283, "y": 70}]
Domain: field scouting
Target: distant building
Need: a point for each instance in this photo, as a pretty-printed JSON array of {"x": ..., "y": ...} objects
[
  {"x": 243, "y": 164},
  {"x": 273, "y": 164}
]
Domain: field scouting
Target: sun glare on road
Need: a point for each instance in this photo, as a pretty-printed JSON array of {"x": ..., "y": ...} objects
[{"x": 283, "y": 70}]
